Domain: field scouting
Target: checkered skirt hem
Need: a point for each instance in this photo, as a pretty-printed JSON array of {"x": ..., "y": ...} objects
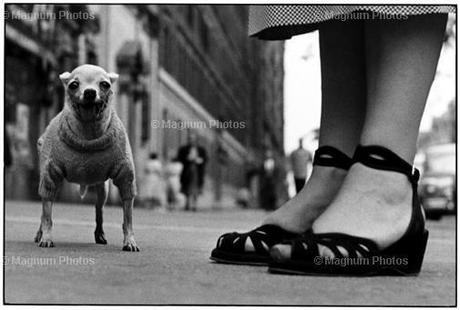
[{"x": 306, "y": 18}]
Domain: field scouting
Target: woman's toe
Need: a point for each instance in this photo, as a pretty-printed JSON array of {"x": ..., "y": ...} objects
[{"x": 281, "y": 253}]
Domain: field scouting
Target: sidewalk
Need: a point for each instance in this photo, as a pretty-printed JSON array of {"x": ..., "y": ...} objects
[{"x": 173, "y": 265}]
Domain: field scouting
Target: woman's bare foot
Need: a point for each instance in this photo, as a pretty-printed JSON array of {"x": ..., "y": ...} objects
[
  {"x": 298, "y": 214},
  {"x": 373, "y": 204}
]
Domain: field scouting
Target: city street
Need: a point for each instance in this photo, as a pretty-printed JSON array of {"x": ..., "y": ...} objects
[{"x": 173, "y": 266}]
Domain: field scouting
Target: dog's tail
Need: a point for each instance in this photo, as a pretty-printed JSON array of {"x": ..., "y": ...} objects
[{"x": 83, "y": 191}]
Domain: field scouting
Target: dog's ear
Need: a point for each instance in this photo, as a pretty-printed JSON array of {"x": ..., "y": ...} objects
[
  {"x": 113, "y": 77},
  {"x": 64, "y": 77}
]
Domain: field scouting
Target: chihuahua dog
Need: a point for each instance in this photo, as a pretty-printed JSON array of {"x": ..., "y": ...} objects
[{"x": 87, "y": 144}]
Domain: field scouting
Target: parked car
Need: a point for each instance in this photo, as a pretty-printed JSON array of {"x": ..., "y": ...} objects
[{"x": 438, "y": 185}]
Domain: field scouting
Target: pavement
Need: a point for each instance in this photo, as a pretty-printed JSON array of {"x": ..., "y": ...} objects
[{"x": 173, "y": 267}]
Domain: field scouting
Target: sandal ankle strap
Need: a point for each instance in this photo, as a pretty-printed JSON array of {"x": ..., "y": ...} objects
[
  {"x": 379, "y": 157},
  {"x": 331, "y": 157}
]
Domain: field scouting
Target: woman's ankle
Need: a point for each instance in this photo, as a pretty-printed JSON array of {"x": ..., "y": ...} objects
[
  {"x": 324, "y": 184},
  {"x": 299, "y": 213},
  {"x": 391, "y": 188}
]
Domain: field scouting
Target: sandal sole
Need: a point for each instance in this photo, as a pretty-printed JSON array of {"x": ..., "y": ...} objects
[
  {"x": 231, "y": 262},
  {"x": 230, "y": 258},
  {"x": 387, "y": 272}
]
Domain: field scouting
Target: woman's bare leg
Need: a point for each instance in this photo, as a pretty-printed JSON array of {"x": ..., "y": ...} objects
[
  {"x": 401, "y": 63},
  {"x": 343, "y": 107}
]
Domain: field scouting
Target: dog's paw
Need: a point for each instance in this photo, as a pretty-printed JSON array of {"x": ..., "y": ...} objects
[
  {"x": 99, "y": 237},
  {"x": 130, "y": 245},
  {"x": 38, "y": 236},
  {"x": 131, "y": 248},
  {"x": 46, "y": 243}
]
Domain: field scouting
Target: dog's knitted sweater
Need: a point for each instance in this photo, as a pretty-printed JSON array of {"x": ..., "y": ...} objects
[{"x": 64, "y": 154}]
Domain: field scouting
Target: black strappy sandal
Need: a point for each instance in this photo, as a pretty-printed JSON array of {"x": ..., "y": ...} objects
[
  {"x": 363, "y": 258},
  {"x": 231, "y": 247}
]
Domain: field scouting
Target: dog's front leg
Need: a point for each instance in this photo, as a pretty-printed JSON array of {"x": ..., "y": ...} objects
[
  {"x": 102, "y": 192},
  {"x": 43, "y": 236},
  {"x": 129, "y": 244}
]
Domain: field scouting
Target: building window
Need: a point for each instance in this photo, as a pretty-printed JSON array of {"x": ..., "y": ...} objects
[
  {"x": 204, "y": 34},
  {"x": 190, "y": 15},
  {"x": 187, "y": 69}
]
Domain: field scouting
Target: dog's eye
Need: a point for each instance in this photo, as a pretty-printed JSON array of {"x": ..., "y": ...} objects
[
  {"x": 74, "y": 85},
  {"x": 104, "y": 85}
]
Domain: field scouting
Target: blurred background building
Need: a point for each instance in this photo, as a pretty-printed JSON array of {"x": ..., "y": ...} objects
[{"x": 176, "y": 62}]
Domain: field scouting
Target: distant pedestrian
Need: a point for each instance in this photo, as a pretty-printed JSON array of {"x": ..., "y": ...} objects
[
  {"x": 173, "y": 170},
  {"x": 268, "y": 192},
  {"x": 299, "y": 161},
  {"x": 193, "y": 158},
  {"x": 153, "y": 188},
  {"x": 243, "y": 198}
]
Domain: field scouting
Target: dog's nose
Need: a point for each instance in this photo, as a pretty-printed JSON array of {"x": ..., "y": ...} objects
[{"x": 89, "y": 94}]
